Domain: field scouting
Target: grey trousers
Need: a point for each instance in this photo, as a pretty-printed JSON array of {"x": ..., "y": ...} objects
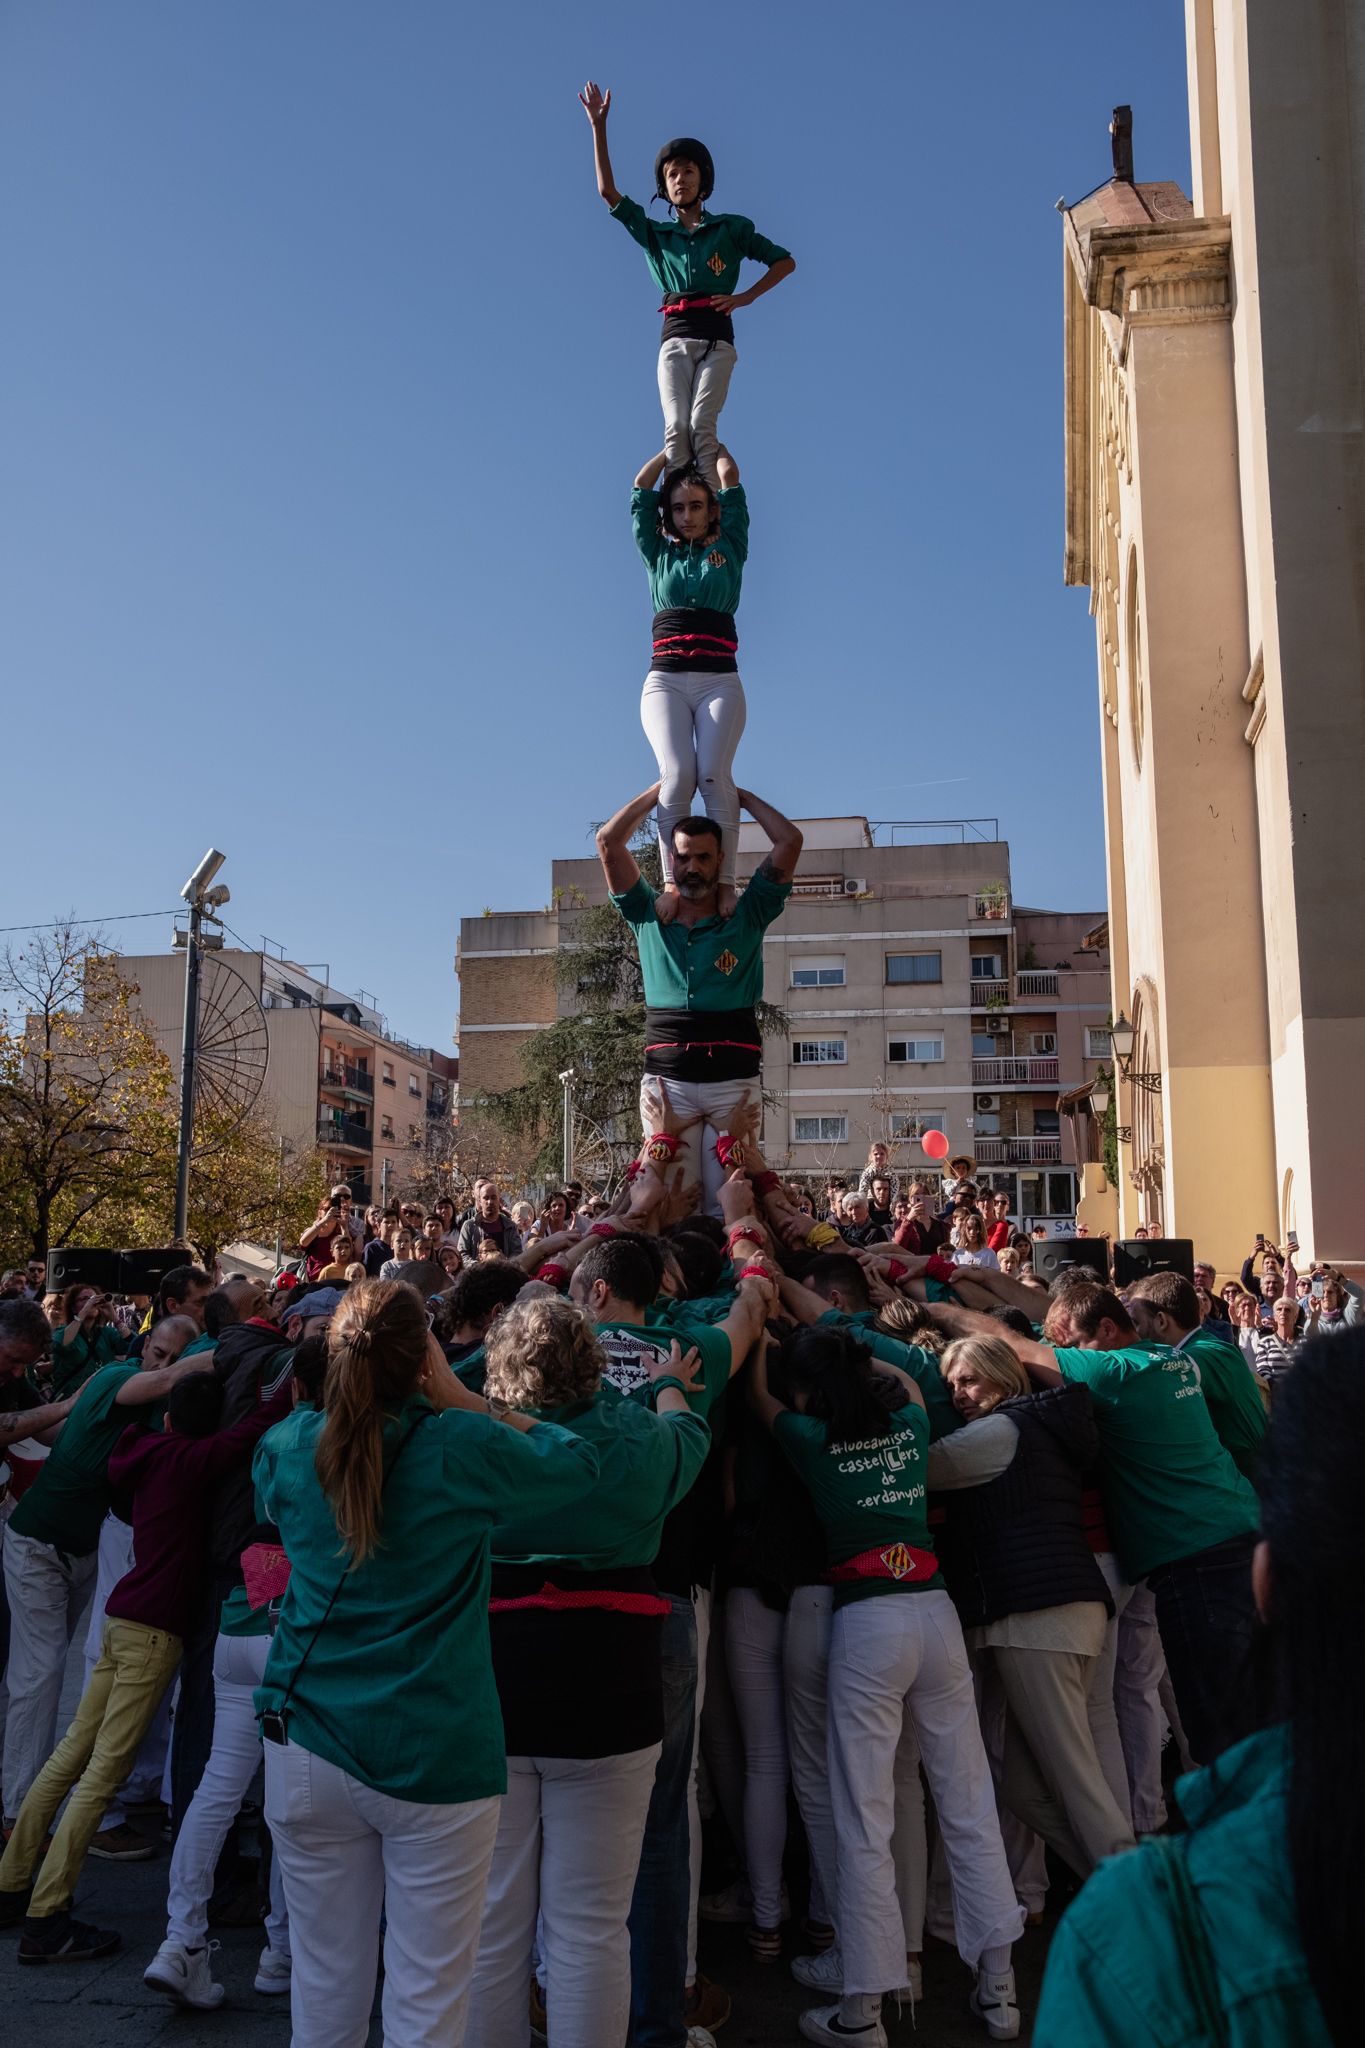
[
  {"x": 1051, "y": 1776},
  {"x": 694, "y": 377}
]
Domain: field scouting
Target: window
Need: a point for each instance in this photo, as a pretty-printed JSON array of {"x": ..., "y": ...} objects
[
  {"x": 819, "y": 1052},
  {"x": 1047, "y": 1123},
  {"x": 818, "y": 970},
  {"x": 898, "y": 1050},
  {"x": 988, "y": 967},
  {"x": 386, "y": 1127},
  {"x": 905, "y": 1124},
  {"x": 985, "y": 1046},
  {"x": 388, "y": 1074},
  {"x": 986, "y": 1123},
  {"x": 1098, "y": 1044},
  {"x": 901, "y": 967},
  {"x": 819, "y": 1130},
  {"x": 414, "y": 1085}
]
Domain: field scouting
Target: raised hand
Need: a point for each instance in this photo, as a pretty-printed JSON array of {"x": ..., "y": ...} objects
[{"x": 595, "y": 103}]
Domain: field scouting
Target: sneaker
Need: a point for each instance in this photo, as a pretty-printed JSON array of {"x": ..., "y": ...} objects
[
  {"x": 707, "y": 2005},
  {"x": 122, "y": 1844},
  {"x": 993, "y": 2001},
  {"x": 184, "y": 1974},
  {"x": 765, "y": 1943},
  {"x": 732, "y": 1907},
  {"x": 60, "y": 1939},
  {"x": 699, "y": 2037},
  {"x": 824, "y": 2024},
  {"x": 274, "y": 1971},
  {"x": 823, "y": 1972}
]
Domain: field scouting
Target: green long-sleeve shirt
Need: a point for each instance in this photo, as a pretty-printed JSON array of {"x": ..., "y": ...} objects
[
  {"x": 688, "y": 262},
  {"x": 685, "y": 575}
]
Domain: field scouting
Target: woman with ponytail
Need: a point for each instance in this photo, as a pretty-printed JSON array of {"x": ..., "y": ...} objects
[
  {"x": 1245, "y": 1931},
  {"x": 896, "y": 1650},
  {"x": 383, "y": 1740}
]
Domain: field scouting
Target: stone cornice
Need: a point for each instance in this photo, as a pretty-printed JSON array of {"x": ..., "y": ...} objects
[{"x": 1162, "y": 273}]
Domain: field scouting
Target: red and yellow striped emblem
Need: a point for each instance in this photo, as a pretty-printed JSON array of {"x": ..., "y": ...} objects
[{"x": 898, "y": 1561}]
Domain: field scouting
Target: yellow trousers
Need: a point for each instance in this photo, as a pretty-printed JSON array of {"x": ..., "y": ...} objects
[{"x": 95, "y": 1755}]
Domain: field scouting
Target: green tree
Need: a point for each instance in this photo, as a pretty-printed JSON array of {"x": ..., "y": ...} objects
[{"x": 601, "y": 1037}]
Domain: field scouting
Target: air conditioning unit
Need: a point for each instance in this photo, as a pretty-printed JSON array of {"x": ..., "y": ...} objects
[
  {"x": 1043, "y": 1042},
  {"x": 988, "y": 1102},
  {"x": 854, "y": 885},
  {"x": 998, "y": 1027}
]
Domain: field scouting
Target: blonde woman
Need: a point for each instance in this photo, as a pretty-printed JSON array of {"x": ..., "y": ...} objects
[
  {"x": 1031, "y": 1597},
  {"x": 576, "y": 1629},
  {"x": 383, "y": 1740},
  {"x": 969, "y": 1241}
]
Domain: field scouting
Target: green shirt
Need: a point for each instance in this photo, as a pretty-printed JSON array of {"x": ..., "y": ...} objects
[
  {"x": 71, "y": 1495},
  {"x": 866, "y": 1494},
  {"x": 239, "y": 1618},
  {"x": 714, "y": 965},
  {"x": 646, "y": 1463},
  {"x": 201, "y": 1343},
  {"x": 921, "y": 1365},
  {"x": 1119, "y": 1966},
  {"x": 700, "y": 261},
  {"x": 398, "y": 1687},
  {"x": 74, "y": 1363},
  {"x": 685, "y": 574},
  {"x": 1170, "y": 1489},
  {"x": 1232, "y": 1395},
  {"x": 628, "y": 1345},
  {"x": 673, "y": 1315}
]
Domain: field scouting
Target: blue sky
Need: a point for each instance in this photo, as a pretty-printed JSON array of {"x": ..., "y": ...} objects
[{"x": 326, "y": 375}]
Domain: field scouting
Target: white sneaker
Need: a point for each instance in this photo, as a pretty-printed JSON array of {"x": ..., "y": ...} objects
[
  {"x": 274, "y": 1971},
  {"x": 913, "y": 1987},
  {"x": 700, "y": 2037},
  {"x": 184, "y": 1974},
  {"x": 823, "y": 1972},
  {"x": 993, "y": 2002},
  {"x": 824, "y": 2024}
]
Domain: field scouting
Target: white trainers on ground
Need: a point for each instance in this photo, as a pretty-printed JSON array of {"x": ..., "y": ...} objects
[
  {"x": 700, "y": 2037},
  {"x": 824, "y": 2024},
  {"x": 274, "y": 1971},
  {"x": 184, "y": 1974},
  {"x": 993, "y": 2002},
  {"x": 823, "y": 1972}
]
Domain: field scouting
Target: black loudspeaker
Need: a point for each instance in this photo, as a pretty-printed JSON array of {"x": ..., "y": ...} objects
[
  {"x": 1136, "y": 1257},
  {"x": 78, "y": 1264},
  {"x": 115, "y": 1272},
  {"x": 1052, "y": 1255}
]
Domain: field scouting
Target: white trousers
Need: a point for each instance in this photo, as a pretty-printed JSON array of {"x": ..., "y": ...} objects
[
  {"x": 568, "y": 1848},
  {"x": 805, "y": 1674},
  {"x": 697, "y": 1113},
  {"x": 348, "y": 1853},
  {"x": 1139, "y": 1669},
  {"x": 753, "y": 1658},
  {"x": 114, "y": 1558},
  {"x": 694, "y": 377},
  {"x": 694, "y": 723},
  {"x": 48, "y": 1592},
  {"x": 891, "y": 1654},
  {"x": 238, "y": 1668}
]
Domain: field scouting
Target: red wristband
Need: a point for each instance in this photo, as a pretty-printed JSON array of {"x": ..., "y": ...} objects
[
  {"x": 894, "y": 1270},
  {"x": 744, "y": 1233},
  {"x": 940, "y": 1269},
  {"x": 553, "y": 1272},
  {"x": 765, "y": 1182},
  {"x": 602, "y": 1230},
  {"x": 755, "y": 1273}
]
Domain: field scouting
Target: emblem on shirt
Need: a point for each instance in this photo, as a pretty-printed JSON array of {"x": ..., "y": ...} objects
[
  {"x": 898, "y": 1561},
  {"x": 716, "y": 263},
  {"x": 715, "y": 560},
  {"x": 726, "y": 962}
]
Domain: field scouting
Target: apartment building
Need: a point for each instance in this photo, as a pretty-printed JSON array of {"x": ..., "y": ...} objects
[
  {"x": 919, "y": 997},
  {"x": 335, "y": 1075}
]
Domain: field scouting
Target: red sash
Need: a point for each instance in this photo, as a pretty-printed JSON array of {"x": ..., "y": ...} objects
[{"x": 898, "y": 1561}]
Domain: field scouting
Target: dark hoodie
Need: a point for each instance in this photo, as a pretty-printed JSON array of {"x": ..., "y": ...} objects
[{"x": 253, "y": 1362}]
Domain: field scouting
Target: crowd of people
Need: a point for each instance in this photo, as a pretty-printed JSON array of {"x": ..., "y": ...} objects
[{"x": 835, "y": 1510}]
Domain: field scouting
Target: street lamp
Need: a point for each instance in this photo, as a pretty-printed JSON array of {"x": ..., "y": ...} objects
[
  {"x": 1123, "y": 1038},
  {"x": 566, "y": 1081},
  {"x": 202, "y": 899},
  {"x": 1099, "y": 1099}
]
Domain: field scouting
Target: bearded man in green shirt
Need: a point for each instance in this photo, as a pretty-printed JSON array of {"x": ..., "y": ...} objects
[{"x": 703, "y": 975}]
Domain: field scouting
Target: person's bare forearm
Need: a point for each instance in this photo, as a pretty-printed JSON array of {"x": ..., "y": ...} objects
[
  {"x": 613, "y": 841},
  {"x": 785, "y": 837},
  {"x": 727, "y": 469},
  {"x": 773, "y": 275},
  {"x": 29, "y": 1422},
  {"x": 652, "y": 471},
  {"x": 601, "y": 162}
]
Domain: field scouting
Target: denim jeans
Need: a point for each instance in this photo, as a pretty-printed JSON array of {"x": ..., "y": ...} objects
[
  {"x": 658, "y": 1910},
  {"x": 1207, "y": 1619}
]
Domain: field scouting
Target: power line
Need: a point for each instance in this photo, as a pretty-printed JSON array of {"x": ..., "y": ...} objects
[{"x": 60, "y": 923}]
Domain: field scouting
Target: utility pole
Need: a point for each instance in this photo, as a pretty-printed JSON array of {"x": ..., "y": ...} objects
[
  {"x": 566, "y": 1081},
  {"x": 279, "y": 1213},
  {"x": 199, "y": 897},
  {"x": 384, "y": 1182}
]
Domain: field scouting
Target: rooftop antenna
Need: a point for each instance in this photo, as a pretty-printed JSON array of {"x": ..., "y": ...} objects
[{"x": 1121, "y": 142}]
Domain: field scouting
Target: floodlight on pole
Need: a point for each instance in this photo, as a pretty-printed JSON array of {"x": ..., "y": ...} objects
[{"x": 193, "y": 891}]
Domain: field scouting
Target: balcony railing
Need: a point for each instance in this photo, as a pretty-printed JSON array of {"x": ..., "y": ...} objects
[
  {"x": 1018, "y": 1151},
  {"x": 348, "y": 1079},
  {"x": 993, "y": 905},
  {"x": 344, "y": 1134},
  {"x": 1029, "y": 1072},
  {"x": 984, "y": 991},
  {"x": 436, "y": 1109},
  {"x": 1037, "y": 981}
]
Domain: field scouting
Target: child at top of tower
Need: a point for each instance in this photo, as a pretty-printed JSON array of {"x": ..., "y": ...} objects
[{"x": 695, "y": 260}]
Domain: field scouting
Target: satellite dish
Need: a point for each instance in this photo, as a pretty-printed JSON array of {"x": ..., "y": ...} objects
[{"x": 232, "y": 1045}]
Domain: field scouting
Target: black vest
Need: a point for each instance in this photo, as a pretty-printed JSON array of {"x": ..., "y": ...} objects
[{"x": 1017, "y": 1543}]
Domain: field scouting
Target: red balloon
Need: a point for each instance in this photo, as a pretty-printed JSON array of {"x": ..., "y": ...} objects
[{"x": 935, "y": 1144}]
